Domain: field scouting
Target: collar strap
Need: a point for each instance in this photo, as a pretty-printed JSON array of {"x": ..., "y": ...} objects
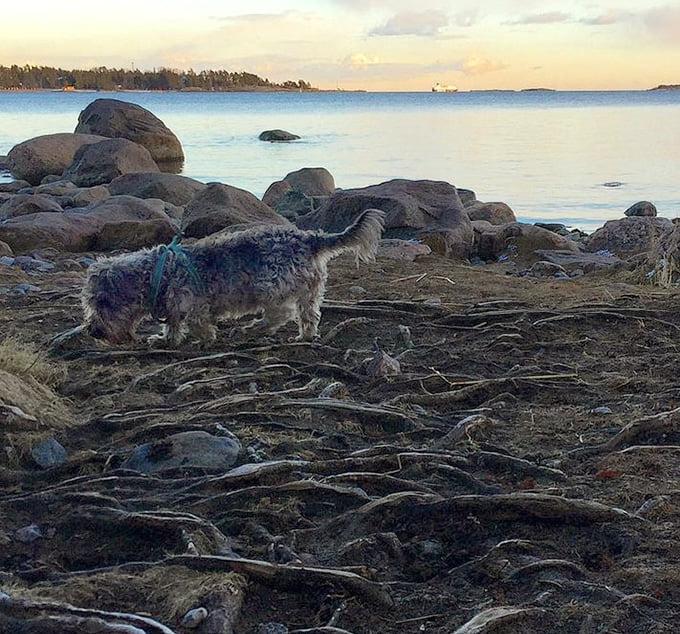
[{"x": 183, "y": 257}]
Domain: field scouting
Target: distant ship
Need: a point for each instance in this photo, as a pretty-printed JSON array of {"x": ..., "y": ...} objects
[{"x": 439, "y": 88}]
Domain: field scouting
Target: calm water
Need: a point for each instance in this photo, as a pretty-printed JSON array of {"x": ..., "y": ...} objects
[{"x": 546, "y": 154}]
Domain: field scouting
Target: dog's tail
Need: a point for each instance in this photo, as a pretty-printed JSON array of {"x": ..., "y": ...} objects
[{"x": 361, "y": 237}]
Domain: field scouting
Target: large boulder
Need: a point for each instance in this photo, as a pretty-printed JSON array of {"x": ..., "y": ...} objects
[
  {"x": 65, "y": 232},
  {"x": 641, "y": 208},
  {"x": 24, "y": 204},
  {"x": 118, "y": 222},
  {"x": 126, "y": 222},
  {"x": 102, "y": 162},
  {"x": 311, "y": 181},
  {"x": 630, "y": 236},
  {"x": 172, "y": 188},
  {"x": 497, "y": 213},
  {"x": 519, "y": 241},
  {"x": 44, "y": 155},
  {"x": 276, "y": 192},
  {"x": 121, "y": 119},
  {"x": 429, "y": 211},
  {"x": 219, "y": 206}
]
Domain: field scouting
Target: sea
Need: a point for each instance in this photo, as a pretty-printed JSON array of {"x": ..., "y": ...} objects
[{"x": 576, "y": 158}]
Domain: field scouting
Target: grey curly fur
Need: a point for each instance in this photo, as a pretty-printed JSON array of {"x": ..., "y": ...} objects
[{"x": 279, "y": 272}]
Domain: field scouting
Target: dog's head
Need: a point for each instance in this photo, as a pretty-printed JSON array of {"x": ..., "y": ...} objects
[{"x": 113, "y": 302}]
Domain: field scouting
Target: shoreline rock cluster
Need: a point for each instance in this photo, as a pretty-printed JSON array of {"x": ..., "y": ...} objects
[{"x": 113, "y": 184}]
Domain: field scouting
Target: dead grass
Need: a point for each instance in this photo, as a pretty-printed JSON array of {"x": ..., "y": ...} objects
[{"x": 26, "y": 360}]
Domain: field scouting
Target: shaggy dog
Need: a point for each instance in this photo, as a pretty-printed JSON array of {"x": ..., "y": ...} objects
[{"x": 278, "y": 272}]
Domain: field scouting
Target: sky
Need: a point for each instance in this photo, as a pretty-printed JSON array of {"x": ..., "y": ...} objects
[{"x": 374, "y": 45}]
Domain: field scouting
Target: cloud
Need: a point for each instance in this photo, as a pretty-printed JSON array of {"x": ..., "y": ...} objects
[
  {"x": 480, "y": 66},
  {"x": 468, "y": 17},
  {"x": 605, "y": 19},
  {"x": 423, "y": 23},
  {"x": 549, "y": 17},
  {"x": 664, "y": 22},
  {"x": 359, "y": 60}
]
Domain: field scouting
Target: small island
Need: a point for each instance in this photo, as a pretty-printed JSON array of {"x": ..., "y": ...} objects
[{"x": 29, "y": 77}]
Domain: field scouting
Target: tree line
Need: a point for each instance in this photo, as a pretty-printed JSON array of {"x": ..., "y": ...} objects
[{"x": 46, "y": 78}]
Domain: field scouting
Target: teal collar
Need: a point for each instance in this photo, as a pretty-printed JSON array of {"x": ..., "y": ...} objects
[{"x": 183, "y": 257}]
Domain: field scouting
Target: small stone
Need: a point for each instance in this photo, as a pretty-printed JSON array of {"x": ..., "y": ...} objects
[
  {"x": 382, "y": 364},
  {"x": 601, "y": 411},
  {"x": 357, "y": 290},
  {"x": 405, "y": 336},
  {"x": 48, "y": 453},
  {"x": 433, "y": 301},
  {"x": 193, "y": 618},
  {"x": 24, "y": 287},
  {"x": 336, "y": 389},
  {"x": 28, "y": 263},
  {"x": 543, "y": 268},
  {"x": 28, "y": 534},
  {"x": 430, "y": 547}
]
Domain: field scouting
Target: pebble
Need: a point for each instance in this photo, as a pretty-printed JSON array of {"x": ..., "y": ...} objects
[
  {"x": 334, "y": 390},
  {"x": 433, "y": 301},
  {"x": 357, "y": 290},
  {"x": 601, "y": 411},
  {"x": 28, "y": 534}
]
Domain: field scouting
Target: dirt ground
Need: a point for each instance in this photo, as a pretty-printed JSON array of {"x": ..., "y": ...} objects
[{"x": 519, "y": 474}]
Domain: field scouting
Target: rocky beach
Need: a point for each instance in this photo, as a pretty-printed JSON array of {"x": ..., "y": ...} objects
[{"x": 484, "y": 437}]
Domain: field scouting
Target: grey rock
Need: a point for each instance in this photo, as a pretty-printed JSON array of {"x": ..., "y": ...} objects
[
  {"x": 24, "y": 204},
  {"x": 190, "y": 449},
  {"x": 172, "y": 188},
  {"x": 23, "y": 288},
  {"x": 407, "y": 250},
  {"x": 520, "y": 242},
  {"x": 29, "y": 263},
  {"x": 114, "y": 118},
  {"x": 497, "y": 213},
  {"x": 100, "y": 163},
  {"x": 642, "y": 208},
  {"x": 277, "y": 135},
  {"x": 28, "y": 534},
  {"x": 219, "y": 206},
  {"x": 429, "y": 211},
  {"x": 631, "y": 235},
  {"x": 575, "y": 262},
  {"x": 48, "y": 453},
  {"x": 311, "y": 181},
  {"x": 193, "y": 618},
  {"x": 544, "y": 268},
  {"x": 41, "y": 156}
]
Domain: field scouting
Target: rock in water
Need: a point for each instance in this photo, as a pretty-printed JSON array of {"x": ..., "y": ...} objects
[
  {"x": 120, "y": 119},
  {"x": 277, "y": 135}
]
